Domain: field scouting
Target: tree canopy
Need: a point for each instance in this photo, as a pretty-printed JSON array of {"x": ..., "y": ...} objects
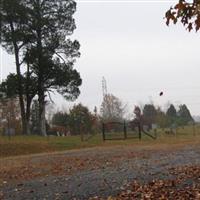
[
  {"x": 149, "y": 112},
  {"x": 80, "y": 120},
  {"x": 60, "y": 119},
  {"x": 171, "y": 111},
  {"x": 37, "y": 33},
  {"x": 184, "y": 115}
]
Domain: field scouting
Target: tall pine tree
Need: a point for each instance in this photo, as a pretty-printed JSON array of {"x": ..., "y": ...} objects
[{"x": 36, "y": 32}]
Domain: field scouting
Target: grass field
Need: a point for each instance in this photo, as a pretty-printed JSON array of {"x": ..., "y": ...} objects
[{"x": 24, "y": 145}]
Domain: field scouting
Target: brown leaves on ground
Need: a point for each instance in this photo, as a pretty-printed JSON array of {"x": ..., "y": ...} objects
[
  {"x": 17, "y": 169},
  {"x": 26, "y": 168},
  {"x": 185, "y": 185},
  {"x": 160, "y": 189}
]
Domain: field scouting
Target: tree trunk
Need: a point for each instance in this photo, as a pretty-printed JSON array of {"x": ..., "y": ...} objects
[
  {"x": 19, "y": 82},
  {"x": 21, "y": 99},
  {"x": 28, "y": 108},
  {"x": 42, "y": 120},
  {"x": 41, "y": 93},
  {"x": 24, "y": 125},
  {"x": 29, "y": 99},
  {"x": 28, "y": 130}
]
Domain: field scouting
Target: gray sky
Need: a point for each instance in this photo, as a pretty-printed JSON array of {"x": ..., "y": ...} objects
[{"x": 129, "y": 44}]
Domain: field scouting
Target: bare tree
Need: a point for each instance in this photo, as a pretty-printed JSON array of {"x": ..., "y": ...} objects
[{"x": 112, "y": 108}]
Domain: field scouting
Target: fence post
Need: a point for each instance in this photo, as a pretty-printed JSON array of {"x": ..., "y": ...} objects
[
  {"x": 139, "y": 129},
  {"x": 103, "y": 131},
  {"x": 125, "y": 131}
]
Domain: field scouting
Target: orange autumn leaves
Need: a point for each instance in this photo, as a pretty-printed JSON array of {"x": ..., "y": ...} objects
[{"x": 188, "y": 13}]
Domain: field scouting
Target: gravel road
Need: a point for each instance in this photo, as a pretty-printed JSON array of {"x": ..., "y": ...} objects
[{"x": 108, "y": 179}]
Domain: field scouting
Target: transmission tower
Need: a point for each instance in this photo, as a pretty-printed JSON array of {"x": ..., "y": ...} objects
[
  {"x": 104, "y": 86},
  {"x": 104, "y": 90}
]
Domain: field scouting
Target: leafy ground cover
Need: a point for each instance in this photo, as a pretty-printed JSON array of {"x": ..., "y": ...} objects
[
  {"x": 185, "y": 184},
  {"x": 166, "y": 168},
  {"x": 116, "y": 172}
]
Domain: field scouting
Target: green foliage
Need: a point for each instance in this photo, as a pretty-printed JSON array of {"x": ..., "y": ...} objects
[
  {"x": 161, "y": 118},
  {"x": 80, "y": 120},
  {"x": 60, "y": 119},
  {"x": 184, "y": 116},
  {"x": 171, "y": 115},
  {"x": 180, "y": 118},
  {"x": 14, "y": 25},
  {"x": 36, "y": 33},
  {"x": 149, "y": 112},
  {"x": 171, "y": 111},
  {"x": 10, "y": 89},
  {"x": 9, "y": 86},
  {"x": 168, "y": 119},
  {"x": 51, "y": 56}
]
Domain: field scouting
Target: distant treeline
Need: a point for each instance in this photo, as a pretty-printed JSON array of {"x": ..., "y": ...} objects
[
  {"x": 80, "y": 119},
  {"x": 171, "y": 117}
]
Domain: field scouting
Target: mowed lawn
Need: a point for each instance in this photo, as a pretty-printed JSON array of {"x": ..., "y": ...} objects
[{"x": 24, "y": 145}]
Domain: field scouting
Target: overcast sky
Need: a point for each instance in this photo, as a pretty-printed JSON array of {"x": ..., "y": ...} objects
[{"x": 130, "y": 45}]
